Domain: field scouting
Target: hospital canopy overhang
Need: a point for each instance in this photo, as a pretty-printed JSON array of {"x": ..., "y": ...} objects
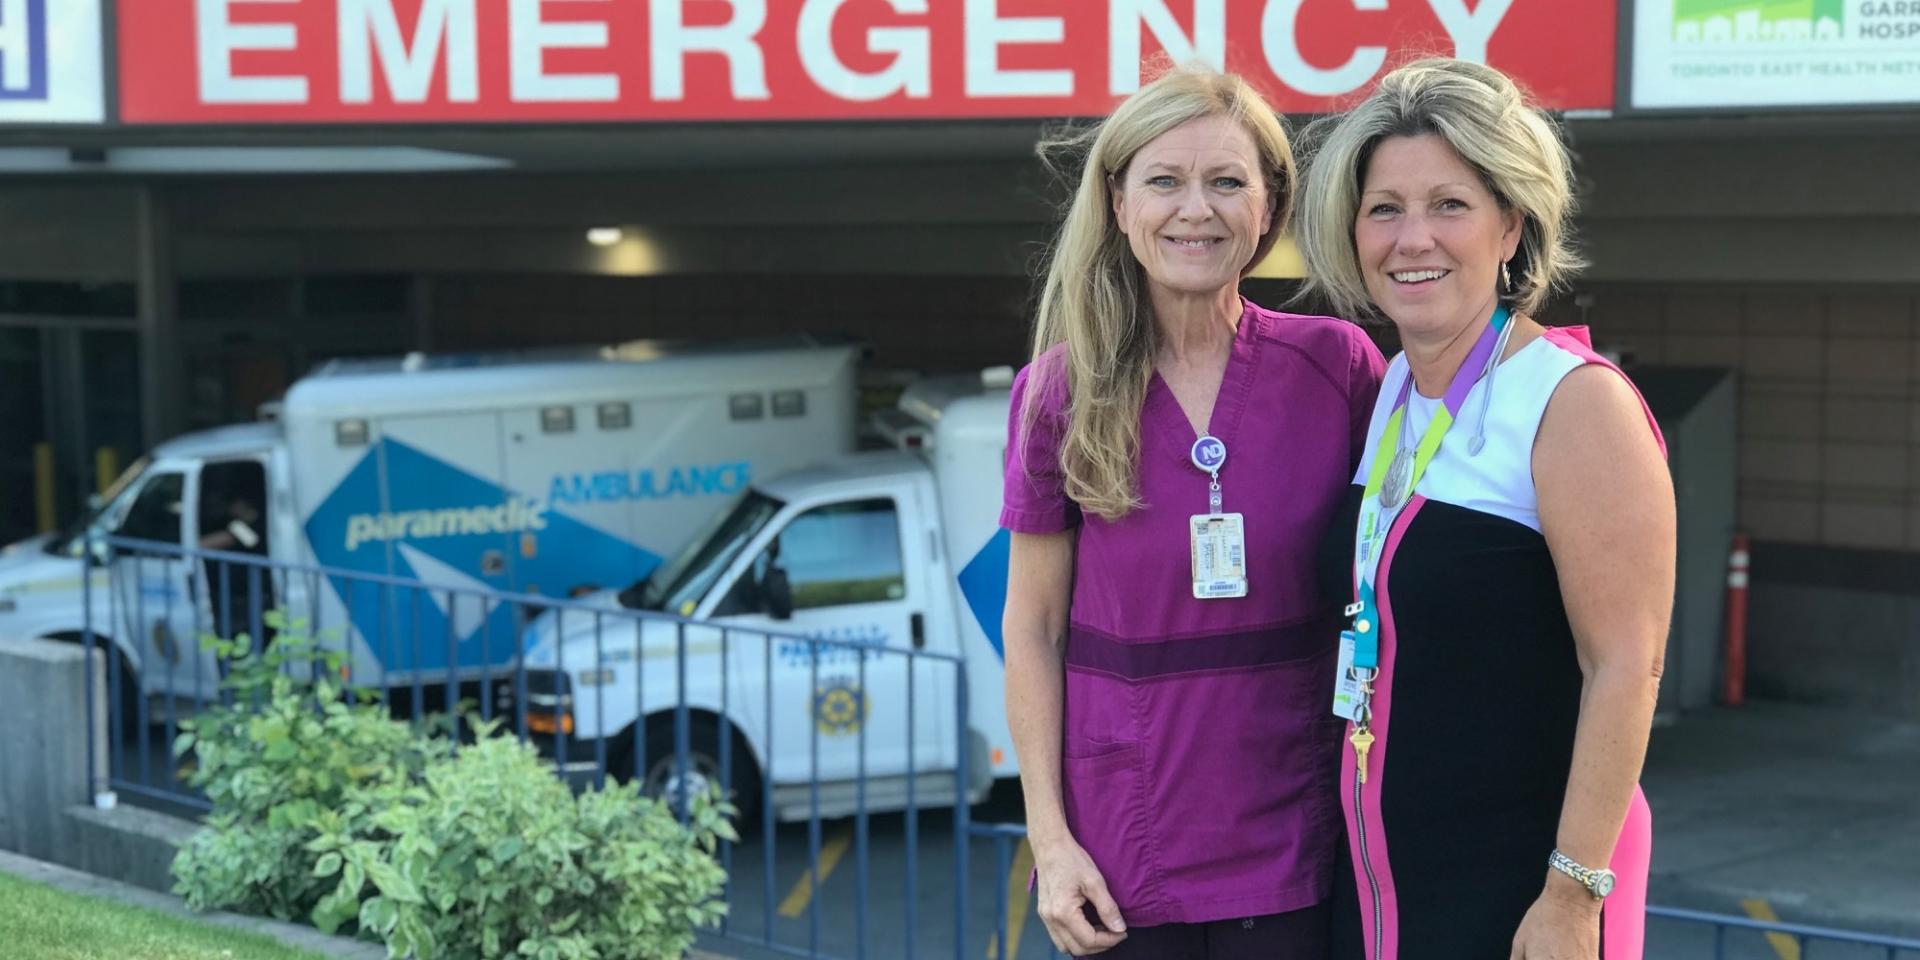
[{"x": 382, "y": 62}]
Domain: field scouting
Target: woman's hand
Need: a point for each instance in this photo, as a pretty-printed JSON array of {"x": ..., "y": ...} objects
[
  {"x": 1559, "y": 926},
  {"x": 1069, "y": 882}
]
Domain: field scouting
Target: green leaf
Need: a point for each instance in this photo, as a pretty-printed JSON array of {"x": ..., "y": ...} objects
[
  {"x": 329, "y": 865},
  {"x": 379, "y": 915},
  {"x": 506, "y": 848},
  {"x": 392, "y": 883}
]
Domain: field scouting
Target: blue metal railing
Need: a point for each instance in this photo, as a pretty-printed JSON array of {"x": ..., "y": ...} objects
[
  {"x": 123, "y": 611},
  {"x": 1007, "y": 836},
  {"x": 139, "y": 631},
  {"x": 1803, "y": 935}
]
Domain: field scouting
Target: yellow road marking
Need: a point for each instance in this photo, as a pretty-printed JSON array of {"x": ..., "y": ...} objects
[
  {"x": 1784, "y": 945},
  {"x": 830, "y": 853},
  {"x": 1017, "y": 894}
]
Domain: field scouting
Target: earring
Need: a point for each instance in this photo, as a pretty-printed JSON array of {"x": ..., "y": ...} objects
[{"x": 1506, "y": 279}]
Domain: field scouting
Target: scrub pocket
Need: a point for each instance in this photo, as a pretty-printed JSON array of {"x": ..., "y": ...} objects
[{"x": 1103, "y": 786}]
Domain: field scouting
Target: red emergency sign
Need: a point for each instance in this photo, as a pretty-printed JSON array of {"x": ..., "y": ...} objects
[{"x": 517, "y": 61}]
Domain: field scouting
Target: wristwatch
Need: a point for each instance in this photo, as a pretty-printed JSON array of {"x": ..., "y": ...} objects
[{"x": 1598, "y": 882}]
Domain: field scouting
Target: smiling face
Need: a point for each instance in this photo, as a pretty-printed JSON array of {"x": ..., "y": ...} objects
[
  {"x": 1194, "y": 205},
  {"x": 1430, "y": 236}
]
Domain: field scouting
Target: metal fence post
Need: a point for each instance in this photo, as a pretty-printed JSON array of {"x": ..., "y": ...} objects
[
  {"x": 86, "y": 638},
  {"x": 682, "y": 732},
  {"x": 962, "y": 824},
  {"x": 769, "y": 853}
]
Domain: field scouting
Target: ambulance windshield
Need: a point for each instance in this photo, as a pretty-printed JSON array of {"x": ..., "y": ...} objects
[
  {"x": 102, "y": 512},
  {"x": 676, "y": 585}
]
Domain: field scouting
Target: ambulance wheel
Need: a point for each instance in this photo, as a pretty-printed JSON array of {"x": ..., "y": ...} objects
[{"x": 703, "y": 765}]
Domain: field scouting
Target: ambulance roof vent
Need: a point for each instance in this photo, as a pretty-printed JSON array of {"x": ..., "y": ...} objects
[{"x": 903, "y": 430}]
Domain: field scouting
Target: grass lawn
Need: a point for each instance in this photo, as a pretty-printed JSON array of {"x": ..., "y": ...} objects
[{"x": 41, "y": 923}]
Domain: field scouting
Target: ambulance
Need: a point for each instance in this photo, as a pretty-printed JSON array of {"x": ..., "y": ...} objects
[
  {"x": 819, "y": 630},
  {"x": 553, "y": 474}
]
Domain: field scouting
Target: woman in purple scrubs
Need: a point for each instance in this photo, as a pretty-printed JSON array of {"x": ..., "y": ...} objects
[{"x": 1175, "y": 453}]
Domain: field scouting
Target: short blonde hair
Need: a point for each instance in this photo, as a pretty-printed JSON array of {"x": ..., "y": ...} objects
[
  {"x": 1488, "y": 121},
  {"x": 1094, "y": 298}
]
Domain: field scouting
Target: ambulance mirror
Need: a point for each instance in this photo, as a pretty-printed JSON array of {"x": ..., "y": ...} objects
[{"x": 776, "y": 594}]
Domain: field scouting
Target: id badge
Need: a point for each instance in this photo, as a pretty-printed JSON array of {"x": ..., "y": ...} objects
[
  {"x": 1219, "y": 556},
  {"x": 1346, "y": 690}
]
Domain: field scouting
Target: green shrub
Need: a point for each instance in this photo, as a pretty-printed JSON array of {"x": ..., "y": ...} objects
[
  {"x": 277, "y": 754},
  {"x": 390, "y": 833}
]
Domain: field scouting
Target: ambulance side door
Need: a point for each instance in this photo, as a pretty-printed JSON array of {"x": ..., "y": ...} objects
[
  {"x": 155, "y": 590},
  {"x": 852, "y": 577}
]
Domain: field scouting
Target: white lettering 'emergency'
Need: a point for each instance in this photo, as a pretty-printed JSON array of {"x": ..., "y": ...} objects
[
  {"x": 673, "y": 39},
  {"x": 217, "y": 37},
  {"x": 910, "y": 73},
  {"x": 444, "y": 27},
  {"x": 1124, "y": 20},
  {"x": 533, "y": 35},
  {"x": 1278, "y": 34},
  {"x": 988, "y": 31}
]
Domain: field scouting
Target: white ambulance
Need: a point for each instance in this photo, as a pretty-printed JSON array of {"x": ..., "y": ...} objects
[
  {"x": 899, "y": 550},
  {"x": 553, "y": 474}
]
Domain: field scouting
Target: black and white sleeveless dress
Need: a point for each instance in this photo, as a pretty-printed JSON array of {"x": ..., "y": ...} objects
[{"x": 1478, "y": 696}]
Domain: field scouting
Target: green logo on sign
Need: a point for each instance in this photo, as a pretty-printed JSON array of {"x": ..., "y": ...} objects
[{"x": 1756, "y": 21}]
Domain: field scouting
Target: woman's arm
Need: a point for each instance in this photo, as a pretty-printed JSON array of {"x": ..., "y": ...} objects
[
  {"x": 1039, "y": 590},
  {"x": 1039, "y": 593},
  {"x": 1607, "y": 511}
]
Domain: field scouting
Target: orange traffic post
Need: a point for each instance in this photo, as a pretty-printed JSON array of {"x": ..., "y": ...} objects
[{"x": 1736, "y": 647}]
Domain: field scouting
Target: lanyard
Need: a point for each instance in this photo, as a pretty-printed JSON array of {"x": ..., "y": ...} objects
[{"x": 1392, "y": 478}]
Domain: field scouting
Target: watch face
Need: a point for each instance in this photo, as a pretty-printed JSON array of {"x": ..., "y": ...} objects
[{"x": 1602, "y": 883}]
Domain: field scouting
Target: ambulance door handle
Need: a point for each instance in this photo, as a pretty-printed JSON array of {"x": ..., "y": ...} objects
[{"x": 917, "y": 626}]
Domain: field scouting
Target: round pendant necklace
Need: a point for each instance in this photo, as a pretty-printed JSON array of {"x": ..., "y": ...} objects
[{"x": 1394, "y": 489}]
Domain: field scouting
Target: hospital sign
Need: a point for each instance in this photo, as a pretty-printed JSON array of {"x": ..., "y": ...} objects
[
  {"x": 50, "y": 61},
  {"x": 567, "y": 61},
  {"x": 1715, "y": 54}
]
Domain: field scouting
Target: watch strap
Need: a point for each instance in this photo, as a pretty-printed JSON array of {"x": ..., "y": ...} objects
[{"x": 1584, "y": 876}]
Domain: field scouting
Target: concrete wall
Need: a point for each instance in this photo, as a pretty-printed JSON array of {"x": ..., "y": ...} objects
[
  {"x": 1829, "y": 397},
  {"x": 43, "y": 744},
  {"x": 127, "y": 843}
]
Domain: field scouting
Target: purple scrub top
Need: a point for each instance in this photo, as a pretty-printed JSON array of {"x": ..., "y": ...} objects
[{"x": 1199, "y": 761}]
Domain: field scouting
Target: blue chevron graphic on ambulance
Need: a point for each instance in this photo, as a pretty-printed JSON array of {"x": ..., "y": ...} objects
[{"x": 472, "y": 535}]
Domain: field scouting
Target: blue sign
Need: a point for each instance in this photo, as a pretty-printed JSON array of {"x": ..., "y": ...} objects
[
  {"x": 23, "y": 49},
  {"x": 50, "y": 62}
]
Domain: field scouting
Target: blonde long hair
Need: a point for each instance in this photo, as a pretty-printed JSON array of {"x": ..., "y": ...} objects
[
  {"x": 1094, "y": 299},
  {"x": 1487, "y": 120}
]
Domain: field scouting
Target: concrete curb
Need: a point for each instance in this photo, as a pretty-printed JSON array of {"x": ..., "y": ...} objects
[{"x": 293, "y": 935}]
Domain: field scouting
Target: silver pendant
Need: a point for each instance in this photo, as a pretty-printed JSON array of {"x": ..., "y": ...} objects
[{"x": 1398, "y": 483}]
